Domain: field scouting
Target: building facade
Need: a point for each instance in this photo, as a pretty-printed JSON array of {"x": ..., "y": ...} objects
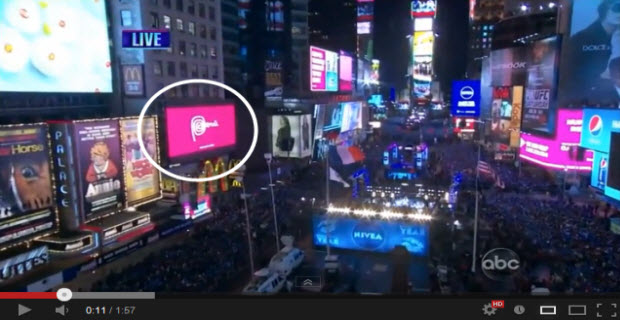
[{"x": 196, "y": 49}]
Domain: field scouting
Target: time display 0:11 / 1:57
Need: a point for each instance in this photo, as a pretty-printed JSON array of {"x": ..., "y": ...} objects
[{"x": 102, "y": 310}]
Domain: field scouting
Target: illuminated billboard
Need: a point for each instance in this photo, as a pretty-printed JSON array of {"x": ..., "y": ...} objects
[
  {"x": 423, "y": 24},
  {"x": 464, "y": 124},
  {"x": 423, "y": 68},
  {"x": 345, "y": 72},
  {"x": 374, "y": 75},
  {"x": 98, "y": 154},
  {"x": 194, "y": 131},
  {"x": 591, "y": 65},
  {"x": 291, "y": 136},
  {"x": 539, "y": 105},
  {"x": 351, "y": 116},
  {"x": 370, "y": 235},
  {"x": 612, "y": 188},
  {"x": 563, "y": 151},
  {"x": 423, "y": 43},
  {"x": 141, "y": 178},
  {"x": 44, "y": 45},
  {"x": 26, "y": 184},
  {"x": 364, "y": 27},
  {"x": 598, "y": 124},
  {"x": 323, "y": 70},
  {"x": 274, "y": 15},
  {"x": 515, "y": 118},
  {"x": 423, "y": 8},
  {"x": 501, "y": 114},
  {"x": 365, "y": 11},
  {"x": 466, "y": 98}
]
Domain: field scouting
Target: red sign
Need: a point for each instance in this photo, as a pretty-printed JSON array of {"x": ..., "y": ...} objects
[
  {"x": 501, "y": 93},
  {"x": 497, "y": 304}
]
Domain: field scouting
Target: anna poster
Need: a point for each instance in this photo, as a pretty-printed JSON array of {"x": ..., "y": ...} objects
[{"x": 100, "y": 167}]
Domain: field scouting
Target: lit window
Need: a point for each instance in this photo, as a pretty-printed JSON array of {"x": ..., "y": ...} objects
[
  {"x": 126, "y": 20},
  {"x": 182, "y": 48},
  {"x": 192, "y": 49},
  {"x": 167, "y": 22},
  {"x": 180, "y": 25},
  {"x": 191, "y": 28}
]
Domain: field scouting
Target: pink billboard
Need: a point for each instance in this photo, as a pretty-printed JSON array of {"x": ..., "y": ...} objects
[
  {"x": 317, "y": 69},
  {"x": 345, "y": 73},
  {"x": 199, "y": 129},
  {"x": 563, "y": 151}
]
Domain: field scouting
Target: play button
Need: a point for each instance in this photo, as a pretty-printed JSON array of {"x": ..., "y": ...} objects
[{"x": 22, "y": 310}]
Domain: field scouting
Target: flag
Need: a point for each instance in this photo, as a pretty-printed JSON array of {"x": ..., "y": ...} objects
[
  {"x": 334, "y": 176},
  {"x": 485, "y": 168},
  {"x": 350, "y": 155}
]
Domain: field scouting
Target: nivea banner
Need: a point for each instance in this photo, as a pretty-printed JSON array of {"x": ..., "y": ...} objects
[{"x": 370, "y": 235}]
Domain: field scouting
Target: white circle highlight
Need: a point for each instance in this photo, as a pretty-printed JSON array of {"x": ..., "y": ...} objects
[
  {"x": 199, "y": 81},
  {"x": 64, "y": 294}
]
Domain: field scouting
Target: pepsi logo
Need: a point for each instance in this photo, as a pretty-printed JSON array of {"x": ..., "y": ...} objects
[{"x": 596, "y": 125}]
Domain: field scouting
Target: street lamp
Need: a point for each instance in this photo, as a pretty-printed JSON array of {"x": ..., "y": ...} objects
[
  {"x": 269, "y": 158},
  {"x": 475, "y": 245},
  {"x": 248, "y": 229}
]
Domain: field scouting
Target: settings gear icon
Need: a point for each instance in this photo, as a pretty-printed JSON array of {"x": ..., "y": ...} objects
[{"x": 488, "y": 310}]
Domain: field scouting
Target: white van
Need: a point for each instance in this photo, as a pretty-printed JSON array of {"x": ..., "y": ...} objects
[
  {"x": 265, "y": 282},
  {"x": 286, "y": 260}
]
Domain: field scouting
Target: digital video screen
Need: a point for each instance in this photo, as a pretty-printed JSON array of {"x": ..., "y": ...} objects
[
  {"x": 197, "y": 129},
  {"x": 45, "y": 42}
]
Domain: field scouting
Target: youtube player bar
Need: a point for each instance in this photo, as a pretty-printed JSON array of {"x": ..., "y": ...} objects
[{"x": 149, "y": 305}]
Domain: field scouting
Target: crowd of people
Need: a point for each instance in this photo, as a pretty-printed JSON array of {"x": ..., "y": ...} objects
[
  {"x": 564, "y": 246},
  {"x": 214, "y": 258}
]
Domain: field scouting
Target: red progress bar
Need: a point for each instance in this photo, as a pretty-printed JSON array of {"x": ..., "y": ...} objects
[{"x": 28, "y": 295}]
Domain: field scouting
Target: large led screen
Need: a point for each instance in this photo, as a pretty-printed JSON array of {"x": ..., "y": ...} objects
[
  {"x": 351, "y": 116},
  {"x": 323, "y": 70},
  {"x": 466, "y": 98},
  {"x": 25, "y": 183},
  {"x": 590, "y": 63},
  {"x": 501, "y": 112},
  {"x": 423, "y": 8},
  {"x": 345, "y": 75},
  {"x": 423, "y": 43},
  {"x": 99, "y": 161},
  {"x": 141, "y": 177},
  {"x": 509, "y": 66},
  {"x": 612, "y": 189},
  {"x": 291, "y": 135},
  {"x": 561, "y": 152},
  {"x": 600, "y": 167},
  {"x": 54, "y": 46},
  {"x": 370, "y": 235},
  {"x": 597, "y": 127},
  {"x": 193, "y": 130},
  {"x": 539, "y": 105}
]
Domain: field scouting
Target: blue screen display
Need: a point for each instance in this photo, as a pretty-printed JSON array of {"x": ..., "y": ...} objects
[
  {"x": 466, "y": 98},
  {"x": 370, "y": 235},
  {"x": 597, "y": 128},
  {"x": 600, "y": 165}
]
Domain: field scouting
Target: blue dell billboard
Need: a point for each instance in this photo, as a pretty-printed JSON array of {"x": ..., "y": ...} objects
[
  {"x": 466, "y": 98},
  {"x": 370, "y": 235}
]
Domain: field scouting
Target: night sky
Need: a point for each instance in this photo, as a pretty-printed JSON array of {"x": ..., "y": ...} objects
[{"x": 393, "y": 24}]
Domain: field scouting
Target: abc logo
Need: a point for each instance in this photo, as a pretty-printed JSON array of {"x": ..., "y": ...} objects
[{"x": 500, "y": 264}]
